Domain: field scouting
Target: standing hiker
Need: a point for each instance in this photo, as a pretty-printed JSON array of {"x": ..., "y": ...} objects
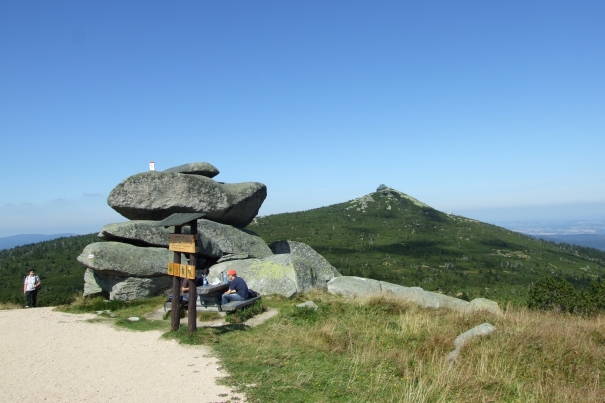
[{"x": 31, "y": 285}]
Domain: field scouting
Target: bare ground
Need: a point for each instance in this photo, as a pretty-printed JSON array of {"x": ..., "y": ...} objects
[{"x": 57, "y": 357}]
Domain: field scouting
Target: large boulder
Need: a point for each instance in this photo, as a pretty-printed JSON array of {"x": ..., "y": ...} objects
[
  {"x": 325, "y": 271},
  {"x": 278, "y": 274},
  {"x": 234, "y": 240},
  {"x": 124, "y": 288},
  {"x": 349, "y": 286},
  {"x": 145, "y": 233},
  {"x": 196, "y": 168},
  {"x": 124, "y": 260},
  {"x": 156, "y": 195}
]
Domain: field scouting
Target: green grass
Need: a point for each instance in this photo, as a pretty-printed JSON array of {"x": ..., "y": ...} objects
[{"x": 385, "y": 350}]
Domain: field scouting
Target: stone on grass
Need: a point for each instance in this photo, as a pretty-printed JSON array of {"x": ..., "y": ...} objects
[
  {"x": 350, "y": 286},
  {"x": 156, "y": 195},
  {"x": 308, "y": 305},
  {"x": 463, "y": 339},
  {"x": 133, "y": 319},
  {"x": 325, "y": 271},
  {"x": 196, "y": 168},
  {"x": 483, "y": 305},
  {"x": 120, "y": 259}
]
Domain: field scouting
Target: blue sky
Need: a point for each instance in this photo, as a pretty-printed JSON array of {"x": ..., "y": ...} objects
[{"x": 493, "y": 110}]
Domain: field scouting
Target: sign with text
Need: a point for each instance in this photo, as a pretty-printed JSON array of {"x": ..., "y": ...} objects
[
  {"x": 182, "y": 243},
  {"x": 181, "y": 270}
]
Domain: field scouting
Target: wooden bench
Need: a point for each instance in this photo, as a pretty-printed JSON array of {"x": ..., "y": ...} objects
[{"x": 235, "y": 305}]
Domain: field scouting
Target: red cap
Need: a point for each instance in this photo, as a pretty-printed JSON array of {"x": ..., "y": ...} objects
[{"x": 232, "y": 272}]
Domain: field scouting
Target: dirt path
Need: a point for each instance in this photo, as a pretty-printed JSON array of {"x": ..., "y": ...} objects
[{"x": 51, "y": 356}]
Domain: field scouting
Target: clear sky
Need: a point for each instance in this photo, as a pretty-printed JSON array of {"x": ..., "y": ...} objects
[{"x": 490, "y": 109}]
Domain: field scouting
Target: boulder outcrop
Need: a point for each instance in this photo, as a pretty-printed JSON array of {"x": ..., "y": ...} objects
[
  {"x": 233, "y": 240},
  {"x": 196, "y": 168},
  {"x": 349, "y": 286},
  {"x": 124, "y": 288},
  {"x": 278, "y": 274},
  {"x": 324, "y": 270},
  {"x": 156, "y": 195}
]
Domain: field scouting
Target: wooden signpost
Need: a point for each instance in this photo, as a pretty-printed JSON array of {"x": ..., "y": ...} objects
[{"x": 183, "y": 243}]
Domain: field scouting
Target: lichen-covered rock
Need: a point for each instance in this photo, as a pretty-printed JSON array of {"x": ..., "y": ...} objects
[
  {"x": 463, "y": 339},
  {"x": 196, "y": 168},
  {"x": 349, "y": 286},
  {"x": 156, "y": 195},
  {"x": 325, "y": 271},
  {"x": 277, "y": 274},
  {"x": 120, "y": 259},
  {"x": 483, "y": 305},
  {"x": 124, "y": 288},
  {"x": 233, "y": 240}
]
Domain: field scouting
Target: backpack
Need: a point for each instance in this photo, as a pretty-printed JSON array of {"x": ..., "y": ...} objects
[{"x": 252, "y": 294}]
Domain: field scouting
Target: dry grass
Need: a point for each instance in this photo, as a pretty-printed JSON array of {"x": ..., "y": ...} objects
[
  {"x": 10, "y": 305},
  {"x": 384, "y": 350}
]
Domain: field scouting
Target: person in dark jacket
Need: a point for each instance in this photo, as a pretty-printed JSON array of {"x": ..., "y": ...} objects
[{"x": 238, "y": 289}]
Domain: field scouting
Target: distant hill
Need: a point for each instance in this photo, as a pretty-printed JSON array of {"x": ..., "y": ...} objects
[
  {"x": 596, "y": 241},
  {"x": 386, "y": 235},
  {"x": 18, "y": 240},
  {"x": 390, "y": 236}
]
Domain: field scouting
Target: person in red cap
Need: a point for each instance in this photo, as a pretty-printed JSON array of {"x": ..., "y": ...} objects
[{"x": 238, "y": 289}]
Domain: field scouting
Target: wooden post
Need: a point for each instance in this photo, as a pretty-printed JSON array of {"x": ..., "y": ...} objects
[
  {"x": 176, "y": 291},
  {"x": 191, "y": 309}
]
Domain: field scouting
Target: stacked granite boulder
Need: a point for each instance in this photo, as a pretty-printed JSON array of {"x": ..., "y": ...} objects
[{"x": 131, "y": 262}]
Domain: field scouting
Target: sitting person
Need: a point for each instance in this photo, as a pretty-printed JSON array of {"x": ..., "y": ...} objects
[{"x": 238, "y": 289}]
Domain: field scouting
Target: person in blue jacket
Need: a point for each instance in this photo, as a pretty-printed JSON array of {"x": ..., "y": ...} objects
[{"x": 238, "y": 289}]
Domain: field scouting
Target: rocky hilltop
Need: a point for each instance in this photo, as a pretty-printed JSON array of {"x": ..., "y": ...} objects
[{"x": 132, "y": 261}]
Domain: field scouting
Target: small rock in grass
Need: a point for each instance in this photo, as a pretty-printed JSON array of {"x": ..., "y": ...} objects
[
  {"x": 308, "y": 305},
  {"x": 133, "y": 319}
]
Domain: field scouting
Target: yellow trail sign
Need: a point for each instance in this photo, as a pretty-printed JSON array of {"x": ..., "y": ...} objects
[{"x": 181, "y": 270}]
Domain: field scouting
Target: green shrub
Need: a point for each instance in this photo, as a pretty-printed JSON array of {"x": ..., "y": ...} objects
[
  {"x": 550, "y": 294},
  {"x": 561, "y": 296},
  {"x": 242, "y": 315}
]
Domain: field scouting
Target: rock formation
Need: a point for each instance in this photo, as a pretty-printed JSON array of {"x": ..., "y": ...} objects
[
  {"x": 350, "y": 286},
  {"x": 132, "y": 261},
  {"x": 156, "y": 195}
]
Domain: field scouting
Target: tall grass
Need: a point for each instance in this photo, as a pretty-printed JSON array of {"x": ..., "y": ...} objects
[{"x": 385, "y": 350}]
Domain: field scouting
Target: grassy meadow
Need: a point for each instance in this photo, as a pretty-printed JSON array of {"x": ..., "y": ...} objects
[{"x": 378, "y": 349}]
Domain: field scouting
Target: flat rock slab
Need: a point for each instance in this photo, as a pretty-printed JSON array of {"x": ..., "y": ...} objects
[
  {"x": 120, "y": 259},
  {"x": 156, "y": 195},
  {"x": 196, "y": 168},
  {"x": 146, "y": 233}
]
